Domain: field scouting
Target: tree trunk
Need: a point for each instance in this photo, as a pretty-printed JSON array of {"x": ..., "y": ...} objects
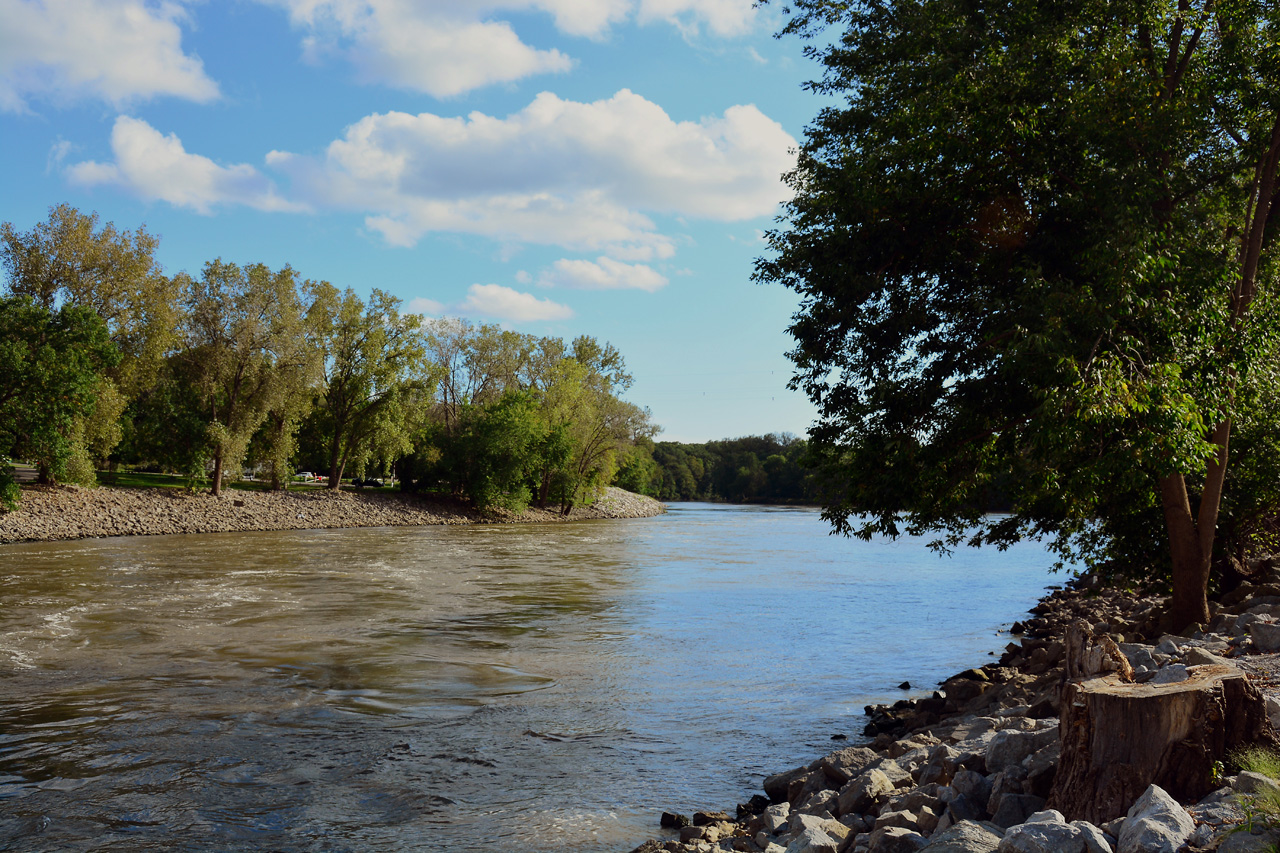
[
  {"x": 217, "y": 473},
  {"x": 1118, "y": 738},
  {"x": 1191, "y": 540},
  {"x": 335, "y": 454}
]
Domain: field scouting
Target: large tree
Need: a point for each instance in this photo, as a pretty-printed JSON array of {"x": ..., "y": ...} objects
[
  {"x": 1034, "y": 248},
  {"x": 375, "y": 377},
  {"x": 50, "y": 363},
  {"x": 245, "y": 343},
  {"x": 73, "y": 259}
]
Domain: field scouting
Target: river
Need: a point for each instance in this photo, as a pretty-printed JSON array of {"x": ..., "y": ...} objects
[{"x": 522, "y": 687}]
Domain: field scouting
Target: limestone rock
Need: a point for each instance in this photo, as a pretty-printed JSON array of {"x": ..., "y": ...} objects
[
  {"x": 1155, "y": 824},
  {"x": 1042, "y": 836},
  {"x": 862, "y": 792},
  {"x": 965, "y": 837},
  {"x": 1263, "y": 841},
  {"x": 1248, "y": 782},
  {"x": 813, "y": 840},
  {"x": 895, "y": 839},
  {"x": 1095, "y": 840},
  {"x": 843, "y": 765}
]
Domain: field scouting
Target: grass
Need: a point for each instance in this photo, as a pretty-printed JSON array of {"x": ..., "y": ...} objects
[{"x": 1262, "y": 807}]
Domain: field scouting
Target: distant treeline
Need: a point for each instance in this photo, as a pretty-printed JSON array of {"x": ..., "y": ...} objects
[{"x": 754, "y": 469}]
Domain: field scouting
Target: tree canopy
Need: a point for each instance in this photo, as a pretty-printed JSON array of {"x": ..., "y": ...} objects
[
  {"x": 104, "y": 358},
  {"x": 1034, "y": 248}
]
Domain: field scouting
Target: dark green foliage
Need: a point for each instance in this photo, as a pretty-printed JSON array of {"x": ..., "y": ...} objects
[
  {"x": 758, "y": 469},
  {"x": 50, "y": 363},
  {"x": 1033, "y": 247}
]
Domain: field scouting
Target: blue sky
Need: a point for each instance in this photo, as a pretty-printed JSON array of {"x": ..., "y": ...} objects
[{"x": 561, "y": 167}]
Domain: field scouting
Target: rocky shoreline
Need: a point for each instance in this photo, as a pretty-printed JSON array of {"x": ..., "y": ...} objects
[
  {"x": 70, "y": 512},
  {"x": 969, "y": 768}
]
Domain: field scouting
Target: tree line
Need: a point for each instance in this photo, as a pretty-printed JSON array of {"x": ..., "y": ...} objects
[
  {"x": 752, "y": 469},
  {"x": 106, "y": 361}
]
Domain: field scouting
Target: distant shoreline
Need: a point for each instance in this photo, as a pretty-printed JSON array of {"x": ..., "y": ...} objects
[{"x": 48, "y": 514}]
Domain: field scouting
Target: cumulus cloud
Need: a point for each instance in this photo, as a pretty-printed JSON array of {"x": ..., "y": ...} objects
[
  {"x": 445, "y": 48},
  {"x": 583, "y": 176},
  {"x": 156, "y": 167},
  {"x": 114, "y": 50},
  {"x": 505, "y": 303},
  {"x": 602, "y": 274},
  {"x": 425, "y": 306}
]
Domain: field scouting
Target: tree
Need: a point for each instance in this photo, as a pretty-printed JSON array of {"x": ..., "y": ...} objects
[
  {"x": 70, "y": 259},
  {"x": 50, "y": 362},
  {"x": 1034, "y": 248},
  {"x": 375, "y": 378},
  {"x": 245, "y": 348}
]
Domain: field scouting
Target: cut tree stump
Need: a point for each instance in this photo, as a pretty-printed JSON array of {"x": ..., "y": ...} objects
[{"x": 1118, "y": 738}]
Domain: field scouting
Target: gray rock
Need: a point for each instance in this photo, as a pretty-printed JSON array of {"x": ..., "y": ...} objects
[
  {"x": 965, "y": 837},
  {"x": 895, "y": 839},
  {"x": 974, "y": 785},
  {"x": 1095, "y": 840},
  {"x": 1171, "y": 674},
  {"x": 965, "y": 808},
  {"x": 905, "y": 819},
  {"x": 1156, "y": 823},
  {"x": 1013, "y": 809},
  {"x": 1263, "y": 841},
  {"x": 1265, "y": 635},
  {"x": 775, "y": 817},
  {"x": 1042, "y": 836},
  {"x": 1010, "y": 747},
  {"x": 1113, "y": 827},
  {"x": 860, "y": 793},
  {"x": 843, "y": 765},
  {"x": 813, "y": 840},
  {"x": 1200, "y": 657},
  {"x": 1248, "y": 782},
  {"x": 798, "y": 823}
]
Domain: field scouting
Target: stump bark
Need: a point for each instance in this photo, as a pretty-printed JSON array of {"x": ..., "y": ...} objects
[{"x": 1118, "y": 738}]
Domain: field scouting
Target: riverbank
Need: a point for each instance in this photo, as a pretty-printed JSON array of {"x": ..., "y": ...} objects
[
  {"x": 971, "y": 768},
  {"x": 70, "y": 512}
]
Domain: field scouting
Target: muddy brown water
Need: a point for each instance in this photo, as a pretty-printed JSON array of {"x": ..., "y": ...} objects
[{"x": 524, "y": 687}]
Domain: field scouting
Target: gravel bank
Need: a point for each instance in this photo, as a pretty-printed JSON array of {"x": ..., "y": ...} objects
[{"x": 69, "y": 512}]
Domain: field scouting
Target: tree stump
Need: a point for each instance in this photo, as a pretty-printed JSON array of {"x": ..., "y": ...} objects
[{"x": 1118, "y": 738}]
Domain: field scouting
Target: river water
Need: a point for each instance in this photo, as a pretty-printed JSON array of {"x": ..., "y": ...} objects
[{"x": 521, "y": 687}]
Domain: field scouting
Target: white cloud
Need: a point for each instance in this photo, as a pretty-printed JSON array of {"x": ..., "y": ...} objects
[
  {"x": 115, "y": 50},
  {"x": 722, "y": 17},
  {"x": 583, "y": 176},
  {"x": 158, "y": 168},
  {"x": 602, "y": 274},
  {"x": 424, "y": 306},
  {"x": 504, "y": 303},
  {"x": 446, "y": 48},
  {"x": 443, "y": 49}
]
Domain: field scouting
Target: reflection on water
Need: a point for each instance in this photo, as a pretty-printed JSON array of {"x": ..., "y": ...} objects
[{"x": 544, "y": 687}]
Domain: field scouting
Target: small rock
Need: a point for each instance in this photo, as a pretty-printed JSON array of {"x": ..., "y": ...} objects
[
  {"x": 895, "y": 839},
  {"x": 673, "y": 820},
  {"x": 813, "y": 840},
  {"x": 1171, "y": 674}
]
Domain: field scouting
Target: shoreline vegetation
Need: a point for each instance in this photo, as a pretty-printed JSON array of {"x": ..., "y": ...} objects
[
  {"x": 972, "y": 767},
  {"x": 54, "y": 513}
]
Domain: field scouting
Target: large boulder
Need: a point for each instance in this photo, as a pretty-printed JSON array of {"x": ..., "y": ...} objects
[
  {"x": 1010, "y": 747},
  {"x": 843, "y": 765},
  {"x": 863, "y": 791},
  {"x": 895, "y": 839},
  {"x": 813, "y": 840},
  {"x": 965, "y": 837},
  {"x": 1044, "y": 832},
  {"x": 1156, "y": 823}
]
